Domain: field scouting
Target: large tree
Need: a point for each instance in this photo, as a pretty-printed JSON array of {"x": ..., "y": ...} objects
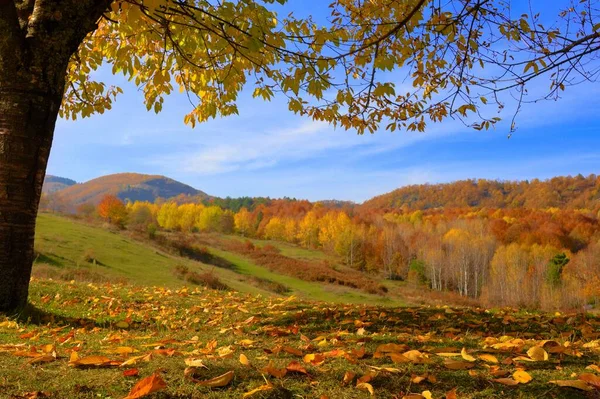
[{"x": 455, "y": 56}]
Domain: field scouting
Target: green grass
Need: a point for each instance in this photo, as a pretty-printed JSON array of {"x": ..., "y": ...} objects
[
  {"x": 63, "y": 242},
  {"x": 87, "y": 318}
]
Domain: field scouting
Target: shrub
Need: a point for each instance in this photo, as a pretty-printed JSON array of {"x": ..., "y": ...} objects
[
  {"x": 89, "y": 256},
  {"x": 206, "y": 279},
  {"x": 269, "y": 285},
  {"x": 181, "y": 271},
  {"x": 151, "y": 229},
  {"x": 270, "y": 249}
]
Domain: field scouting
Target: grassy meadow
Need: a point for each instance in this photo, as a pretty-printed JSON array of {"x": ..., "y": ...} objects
[{"x": 110, "y": 317}]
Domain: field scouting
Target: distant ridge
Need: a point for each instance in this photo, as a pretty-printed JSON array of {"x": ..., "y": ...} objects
[
  {"x": 129, "y": 186},
  {"x": 54, "y": 184},
  {"x": 566, "y": 192}
]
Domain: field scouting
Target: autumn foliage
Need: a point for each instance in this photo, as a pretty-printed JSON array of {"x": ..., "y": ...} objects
[
  {"x": 528, "y": 244},
  {"x": 112, "y": 210}
]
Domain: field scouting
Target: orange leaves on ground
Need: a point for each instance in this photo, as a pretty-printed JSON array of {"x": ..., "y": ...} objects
[
  {"x": 591, "y": 379},
  {"x": 518, "y": 377},
  {"x": 391, "y": 348},
  {"x": 42, "y": 359},
  {"x": 522, "y": 376},
  {"x": 194, "y": 362},
  {"x": 488, "y": 358},
  {"x": 146, "y": 386},
  {"x": 314, "y": 359},
  {"x": 537, "y": 353},
  {"x": 295, "y": 367},
  {"x": 262, "y": 388},
  {"x": 131, "y": 372},
  {"x": 365, "y": 386},
  {"x": 348, "y": 377},
  {"x": 577, "y": 384},
  {"x": 466, "y": 356},
  {"x": 293, "y": 351},
  {"x": 92, "y": 361},
  {"x": 275, "y": 372},
  {"x": 217, "y": 382},
  {"x": 244, "y": 360},
  {"x": 423, "y": 395},
  {"x": 458, "y": 364}
]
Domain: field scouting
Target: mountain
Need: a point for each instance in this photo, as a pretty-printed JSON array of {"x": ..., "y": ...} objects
[
  {"x": 53, "y": 184},
  {"x": 129, "y": 186},
  {"x": 566, "y": 192}
]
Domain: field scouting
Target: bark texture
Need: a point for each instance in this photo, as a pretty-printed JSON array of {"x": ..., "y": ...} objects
[{"x": 37, "y": 40}]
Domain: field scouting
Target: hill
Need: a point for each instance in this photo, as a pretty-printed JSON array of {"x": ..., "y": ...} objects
[
  {"x": 129, "y": 186},
  {"x": 568, "y": 192},
  {"x": 53, "y": 184}
]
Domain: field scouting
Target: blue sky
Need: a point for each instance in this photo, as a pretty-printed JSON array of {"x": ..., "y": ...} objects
[{"x": 268, "y": 151}]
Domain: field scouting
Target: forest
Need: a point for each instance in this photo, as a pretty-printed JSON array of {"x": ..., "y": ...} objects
[{"x": 524, "y": 244}]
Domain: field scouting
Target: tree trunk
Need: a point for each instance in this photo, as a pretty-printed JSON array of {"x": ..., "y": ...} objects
[
  {"x": 27, "y": 120},
  {"x": 37, "y": 40}
]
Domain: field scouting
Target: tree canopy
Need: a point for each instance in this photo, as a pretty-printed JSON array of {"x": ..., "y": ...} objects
[{"x": 373, "y": 64}]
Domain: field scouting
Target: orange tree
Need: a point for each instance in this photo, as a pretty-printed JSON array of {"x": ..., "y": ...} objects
[
  {"x": 459, "y": 55},
  {"x": 112, "y": 210}
]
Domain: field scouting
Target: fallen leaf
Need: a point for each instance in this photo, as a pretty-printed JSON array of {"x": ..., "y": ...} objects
[
  {"x": 315, "y": 359},
  {"x": 348, "y": 377},
  {"x": 365, "y": 386},
  {"x": 295, "y": 367},
  {"x": 147, "y": 386},
  {"x": 488, "y": 358},
  {"x": 391, "y": 348},
  {"x": 466, "y": 356},
  {"x": 244, "y": 360},
  {"x": 458, "y": 365},
  {"x": 275, "y": 372},
  {"x": 193, "y": 362},
  {"x": 591, "y": 379},
  {"x": 537, "y": 353},
  {"x": 577, "y": 384},
  {"x": 131, "y": 372},
  {"x": 522, "y": 376},
  {"x": 217, "y": 382},
  {"x": 293, "y": 351},
  {"x": 89, "y": 361},
  {"x": 42, "y": 359},
  {"x": 261, "y": 388},
  {"x": 506, "y": 381}
]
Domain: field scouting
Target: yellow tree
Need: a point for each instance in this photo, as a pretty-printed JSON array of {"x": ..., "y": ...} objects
[
  {"x": 291, "y": 230},
  {"x": 188, "y": 216},
  {"x": 209, "y": 219},
  {"x": 308, "y": 230},
  {"x": 243, "y": 222},
  {"x": 168, "y": 216},
  {"x": 334, "y": 72},
  {"x": 275, "y": 229}
]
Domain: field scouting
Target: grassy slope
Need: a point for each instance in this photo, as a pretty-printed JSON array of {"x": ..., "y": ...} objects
[
  {"x": 82, "y": 317},
  {"x": 62, "y": 243}
]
